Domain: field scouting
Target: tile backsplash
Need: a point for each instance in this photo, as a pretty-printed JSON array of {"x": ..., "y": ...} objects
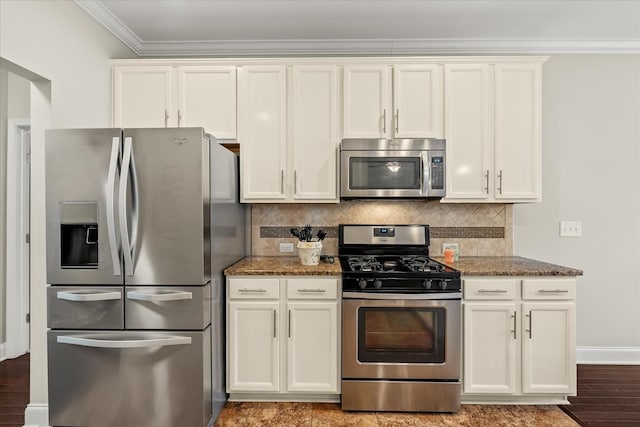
[{"x": 479, "y": 229}]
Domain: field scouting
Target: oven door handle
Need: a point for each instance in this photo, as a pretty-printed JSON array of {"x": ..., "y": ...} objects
[{"x": 387, "y": 296}]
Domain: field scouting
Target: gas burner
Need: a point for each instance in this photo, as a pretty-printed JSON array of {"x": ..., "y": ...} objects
[
  {"x": 364, "y": 263},
  {"x": 421, "y": 263}
]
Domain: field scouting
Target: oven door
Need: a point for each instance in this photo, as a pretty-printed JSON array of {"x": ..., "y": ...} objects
[
  {"x": 384, "y": 174},
  {"x": 402, "y": 338}
]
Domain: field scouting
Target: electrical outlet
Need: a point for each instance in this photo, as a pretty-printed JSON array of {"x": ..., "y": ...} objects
[
  {"x": 570, "y": 228},
  {"x": 286, "y": 247}
]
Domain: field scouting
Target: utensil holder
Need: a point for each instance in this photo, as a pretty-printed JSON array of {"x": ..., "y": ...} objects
[{"x": 309, "y": 252}]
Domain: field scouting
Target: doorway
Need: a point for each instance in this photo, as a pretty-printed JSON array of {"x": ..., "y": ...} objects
[{"x": 18, "y": 236}]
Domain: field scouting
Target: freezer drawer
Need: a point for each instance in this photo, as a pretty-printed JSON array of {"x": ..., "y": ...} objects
[
  {"x": 129, "y": 379},
  {"x": 166, "y": 307},
  {"x": 85, "y": 308}
]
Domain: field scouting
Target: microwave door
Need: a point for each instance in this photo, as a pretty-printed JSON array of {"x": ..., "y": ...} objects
[{"x": 81, "y": 173}]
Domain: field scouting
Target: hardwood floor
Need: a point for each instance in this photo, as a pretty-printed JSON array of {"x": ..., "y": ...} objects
[
  {"x": 608, "y": 395},
  {"x": 14, "y": 390}
]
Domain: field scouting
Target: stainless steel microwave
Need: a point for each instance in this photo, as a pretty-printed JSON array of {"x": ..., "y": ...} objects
[{"x": 392, "y": 168}]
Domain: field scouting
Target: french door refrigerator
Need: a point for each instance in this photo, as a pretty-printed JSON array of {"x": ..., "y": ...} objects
[{"x": 131, "y": 292}]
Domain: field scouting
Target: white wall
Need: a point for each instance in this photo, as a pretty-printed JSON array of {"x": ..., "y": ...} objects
[
  {"x": 60, "y": 42},
  {"x": 591, "y": 173}
]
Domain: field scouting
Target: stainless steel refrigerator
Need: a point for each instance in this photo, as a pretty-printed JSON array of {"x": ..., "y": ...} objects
[{"x": 140, "y": 225}]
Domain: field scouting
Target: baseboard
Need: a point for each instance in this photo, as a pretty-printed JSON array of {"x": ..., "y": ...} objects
[
  {"x": 36, "y": 415},
  {"x": 3, "y": 351},
  {"x": 608, "y": 355}
]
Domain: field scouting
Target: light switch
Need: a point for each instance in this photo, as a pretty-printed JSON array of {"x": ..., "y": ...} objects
[{"x": 570, "y": 228}]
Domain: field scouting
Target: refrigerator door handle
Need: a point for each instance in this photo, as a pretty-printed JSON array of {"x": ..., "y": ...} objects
[
  {"x": 89, "y": 296},
  {"x": 159, "y": 296},
  {"x": 111, "y": 196},
  {"x": 124, "y": 228},
  {"x": 89, "y": 341}
]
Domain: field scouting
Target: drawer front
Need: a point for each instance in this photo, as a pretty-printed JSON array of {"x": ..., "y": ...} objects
[
  {"x": 75, "y": 307},
  {"x": 168, "y": 307},
  {"x": 312, "y": 288},
  {"x": 254, "y": 288},
  {"x": 549, "y": 289},
  {"x": 490, "y": 289}
]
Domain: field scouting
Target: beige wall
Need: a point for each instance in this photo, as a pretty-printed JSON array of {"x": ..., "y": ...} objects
[
  {"x": 591, "y": 173},
  {"x": 456, "y": 223},
  {"x": 59, "y": 41}
]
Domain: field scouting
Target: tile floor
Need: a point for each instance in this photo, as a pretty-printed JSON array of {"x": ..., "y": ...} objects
[{"x": 329, "y": 414}]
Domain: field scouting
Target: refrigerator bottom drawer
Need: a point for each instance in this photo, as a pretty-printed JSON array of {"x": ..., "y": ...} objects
[{"x": 127, "y": 379}]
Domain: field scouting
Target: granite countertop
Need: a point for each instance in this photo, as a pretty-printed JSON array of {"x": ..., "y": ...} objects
[
  {"x": 281, "y": 266},
  {"x": 508, "y": 266},
  {"x": 468, "y": 266}
]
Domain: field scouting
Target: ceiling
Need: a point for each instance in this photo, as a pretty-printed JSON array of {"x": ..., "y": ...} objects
[{"x": 369, "y": 27}]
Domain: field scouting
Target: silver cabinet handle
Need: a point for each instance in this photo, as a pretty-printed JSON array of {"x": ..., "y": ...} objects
[
  {"x": 289, "y": 332},
  {"x": 88, "y": 341},
  {"x": 486, "y": 176},
  {"x": 492, "y": 291},
  {"x": 274, "y": 323},
  {"x": 312, "y": 291},
  {"x": 553, "y": 291},
  {"x": 259, "y": 291},
  {"x": 397, "y": 120},
  {"x": 111, "y": 205},
  {"x": 500, "y": 180},
  {"x": 89, "y": 295},
  {"x": 529, "y": 330},
  {"x": 179, "y": 118},
  {"x": 295, "y": 182},
  {"x": 159, "y": 296},
  {"x": 166, "y": 117},
  {"x": 514, "y": 324},
  {"x": 282, "y": 181},
  {"x": 124, "y": 228},
  {"x": 384, "y": 121}
]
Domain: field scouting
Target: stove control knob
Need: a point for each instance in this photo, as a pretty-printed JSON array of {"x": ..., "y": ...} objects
[
  {"x": 362, "y": 283},
  {"x": 443, "y": 284},
  {"x": 377, "y": 284},
  {"x": 426, "y": 284}
]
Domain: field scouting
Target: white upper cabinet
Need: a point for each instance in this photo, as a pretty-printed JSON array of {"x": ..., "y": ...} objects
[
  {"x": 176, "y": 96},
  {"x": 207, "y": 98},
  {"x": 409, "y": 105},
  {"x": 492, "y": 128},
  {"x": 287, "y": 128},
  {"x": 142, "y": 96}
]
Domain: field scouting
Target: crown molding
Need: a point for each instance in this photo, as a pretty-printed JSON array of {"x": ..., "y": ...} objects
[{"x": 384, "y": 47}]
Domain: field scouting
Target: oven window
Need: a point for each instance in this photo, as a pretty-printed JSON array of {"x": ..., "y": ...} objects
[
  {"x": 401, "y": 334},
  {"x": 384, "y": 173}
]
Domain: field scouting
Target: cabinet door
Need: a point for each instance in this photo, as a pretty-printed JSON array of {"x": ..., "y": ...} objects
[
  {"x": 313, "y": 110},
  {"x": 262, "y": 131},
  {"x": 467, "y": 131},
  {"x": 142, "y": 97},
  {"x": 253, "y": 346},
  {"x": 517, "y": 131},
  {"x": 313, "y": 347},
  {"x": 366, "y": 102},
  {"x": 418, "y": 101},
  {"x": 490, "y": 348},
  {"x": 207, "y": 98},
  {"x": 548, "y": 348}
]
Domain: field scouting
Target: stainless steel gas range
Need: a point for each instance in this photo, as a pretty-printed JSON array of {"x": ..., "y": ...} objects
[{"x": 401, "y": 322}]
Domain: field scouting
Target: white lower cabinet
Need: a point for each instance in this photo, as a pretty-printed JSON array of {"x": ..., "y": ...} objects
[
  {"x": 519, "y": 340},
  {"x": 283, "y": 338}
]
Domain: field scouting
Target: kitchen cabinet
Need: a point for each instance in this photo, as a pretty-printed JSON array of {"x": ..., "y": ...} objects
[
  {"x": 399, "y": 101},
  {"x": 176, "y": 96},
  {"x": 287, "y": 128},
  {"x": 519, "y": 339},
  {"x": 292, "y": 323},
  {"x": 492, "y": 127}
]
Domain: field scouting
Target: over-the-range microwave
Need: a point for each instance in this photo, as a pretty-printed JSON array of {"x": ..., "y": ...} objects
[{"x": 392, "y": 168}]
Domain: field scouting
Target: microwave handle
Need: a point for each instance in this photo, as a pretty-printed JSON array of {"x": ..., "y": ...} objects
[{"x": 425, "y": 174}]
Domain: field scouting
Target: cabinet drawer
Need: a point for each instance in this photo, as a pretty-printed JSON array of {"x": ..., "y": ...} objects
[
  {"x": 549, "y": 289},
  {"x": 85, "y": 307},
  {"x": 490, "y": 289},
  {"x": 312, "y": 288},
  {"x": 254, "y": 288}
]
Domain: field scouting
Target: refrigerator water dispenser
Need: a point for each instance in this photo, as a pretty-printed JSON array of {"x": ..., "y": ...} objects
[{"x": 79, "y": 235}]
